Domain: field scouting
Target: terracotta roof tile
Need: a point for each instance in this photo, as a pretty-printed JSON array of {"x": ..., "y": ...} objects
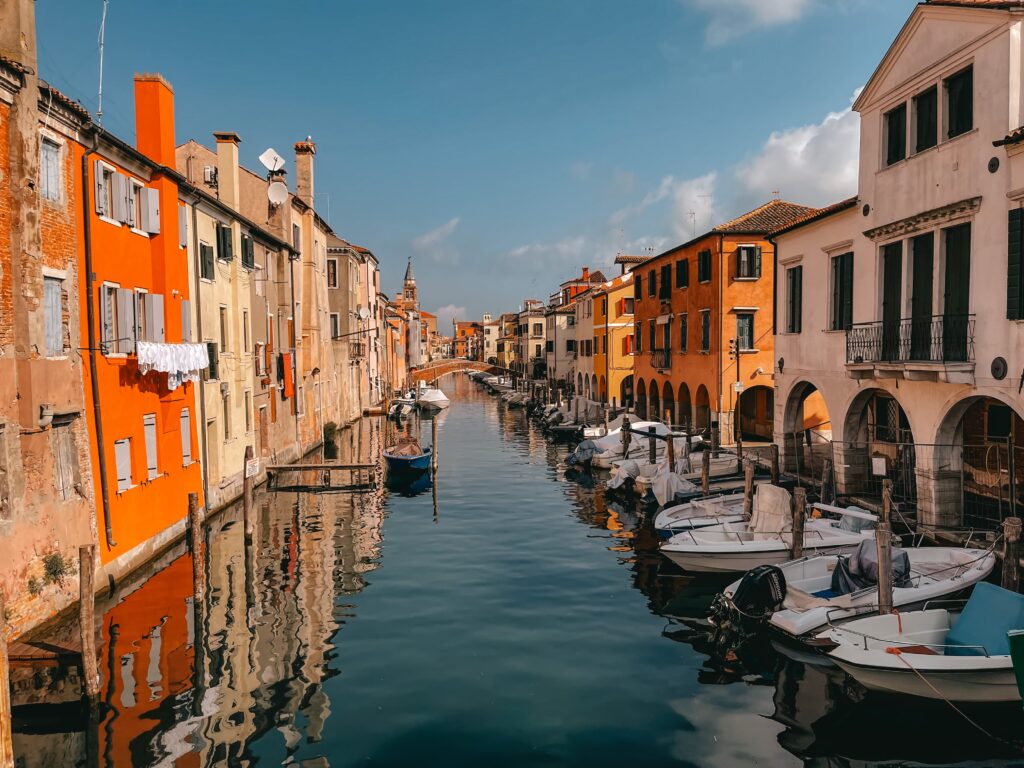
[
  {"x": 1015, "y": 136},
  {"x": 815, "y": 214},
  {"x": 773, "y": 215},
  {"x": 625, "y": 258},
  {"x": 15, "y": 65},
  {"x": 48, "y": 91},
  {"x": 994, "y": 4}
]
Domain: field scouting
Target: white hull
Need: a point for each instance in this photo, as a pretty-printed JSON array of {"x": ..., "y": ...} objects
[
  {"x": 700, "y": 513},
  {"x": 743, "y": 560},
  {"x": 429, "y": 398},
  {"x": 983, "y": 686}
]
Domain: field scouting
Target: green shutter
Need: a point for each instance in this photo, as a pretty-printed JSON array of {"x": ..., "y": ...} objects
[
  {"x": 1014, "y": 246},
  {"x": 211, "y": 351}
]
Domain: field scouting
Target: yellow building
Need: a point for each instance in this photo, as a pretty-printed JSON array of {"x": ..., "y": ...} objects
[{"x": 613, "y": 334}]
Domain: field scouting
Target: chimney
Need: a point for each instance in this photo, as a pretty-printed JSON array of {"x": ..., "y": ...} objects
[
  {"x": 154, "y": 118},
  {"x": 586, "y": 274},
  {"x": 304, "y": 151},
  {"x": 227, "y": 167},
  {"x": 18, "y": 33}
]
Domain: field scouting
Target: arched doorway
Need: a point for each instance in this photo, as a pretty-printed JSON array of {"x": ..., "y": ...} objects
[
  {"x": 579, "y": 383},
  {"x": 702, "y": 417},
  {"x": 668, "y": 405},
  {"x": 586, "y": 387},
  {"x": 593, "y": 387},
  {"x": 626, "y": 392},
  {"x": 756, "y": 412},
  {"x": 806, "y": 430},
  {"x": 684, "y": 411},
  {"x": 602, "y": 389},
  {"x": 980, "y": 438},
  {"x": 641, "y": 399},
  {"x": 878, "y": 443},
  {"x": 655, "y": 396}
]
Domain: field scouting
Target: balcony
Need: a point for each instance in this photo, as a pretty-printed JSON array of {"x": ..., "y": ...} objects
[
  {"x": 938, "y": 348},
  {"x": 356, "y": 350},
  {"x": 661, "y": 359}
]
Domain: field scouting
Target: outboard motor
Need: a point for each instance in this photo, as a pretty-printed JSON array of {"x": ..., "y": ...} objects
[{"x": 759, "y": 594}]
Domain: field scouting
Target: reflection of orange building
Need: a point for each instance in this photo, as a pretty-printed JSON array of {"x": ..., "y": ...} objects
[
  {"x": 696, "y": 301},
  {"x": 142, "y": 429}
]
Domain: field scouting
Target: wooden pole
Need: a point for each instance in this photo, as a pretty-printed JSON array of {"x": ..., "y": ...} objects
[
  {"x": 247, "y": 494},
  {"x": 714, "y": 439},
  {"x": 606, "y": 419},
  {"x": 775, "y": 463},
  {"x": 652, "y": 445},
  {"x": 6, "y": 739},
  {"x": 87, "y": 619},
  {"x": 1011, "y": 561},
  {"x": 195, "y": 526},
  {"x": 705, "y": 472},
  {"x": 799, "y": 510},
  {"x": 626, "y": 436},
  {"x": 748, "y": 489},
  {"x": 739, "y": 453},
  {"x": 883, "y": 541},
  {"x": 671, "y": 449},
  {"x": 433, "y": 444}
]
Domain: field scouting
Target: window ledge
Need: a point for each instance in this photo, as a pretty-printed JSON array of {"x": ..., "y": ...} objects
[
  {"x": 140, "y": 232},
  {"x": 114, "y": 222},
  {"x": 117, "y": 355},
  {"x": 130, "y": 487},
  {"x": 746, "y": 279}
]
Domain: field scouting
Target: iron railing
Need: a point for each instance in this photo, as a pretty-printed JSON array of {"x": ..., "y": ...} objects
[
  {"x": 661, "y": 358},
  {"x": 356, "y": 350},
  {"x": 937, "y": 339}
]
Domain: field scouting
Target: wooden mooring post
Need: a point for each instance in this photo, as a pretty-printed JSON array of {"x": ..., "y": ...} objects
[
  {"x": 748, "y": 489},
  {"x": 883, "y": 541},
  {"x": 705, "y": 472},
  {"x": 195, "y": 527},
  {"x": 433, "y": 445},
  {"x": 652, "y": 445},
  {"x": 626, "y": 437},
  {"x": 799, "y": 511},
  {"x": 247, "y": 494},
  {"x": 739, "y": 454},
  {"x": 670, "y": 450},
  {"x": 1011, "y": 558},
  {"x": 6, "y": 739},
  {"x": 774, "y": 448},
  {"x": 87, "y": 619}
]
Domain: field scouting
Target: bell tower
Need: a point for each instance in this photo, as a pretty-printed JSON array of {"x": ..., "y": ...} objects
[{"x": 410, "y": 300}]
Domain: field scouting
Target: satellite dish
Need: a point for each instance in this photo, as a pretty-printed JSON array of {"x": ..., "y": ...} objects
[
  {"x": 364, "y": 313},
  {"x": 277, "y": 192},
  {"x": 272, "y": 161}
]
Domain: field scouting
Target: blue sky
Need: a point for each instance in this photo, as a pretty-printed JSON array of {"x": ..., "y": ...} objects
[{"x": 504, "y": 143}]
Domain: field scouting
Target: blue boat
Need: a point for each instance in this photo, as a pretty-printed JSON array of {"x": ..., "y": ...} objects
[{"x": 407, "y": 458}]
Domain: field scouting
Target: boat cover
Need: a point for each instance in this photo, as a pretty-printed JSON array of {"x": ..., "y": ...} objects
[
  {"x": 583, "y": 453},
  {"x": 990, "y": 613},
  {"x": 666, "y": 483},
  {"x": 860, "y": 570},
  {"x": 626, "y": 470},
  {"x": 772, "y": 510}
]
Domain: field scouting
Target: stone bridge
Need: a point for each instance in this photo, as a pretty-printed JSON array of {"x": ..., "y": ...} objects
[{"x": 435, "y": 369}]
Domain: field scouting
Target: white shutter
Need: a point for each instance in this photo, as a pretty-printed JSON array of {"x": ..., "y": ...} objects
[
  {"x": 182, "y": 226},
  {"x": 52, "y": 317},
  {"x": 100, "y": 188},
  {"x": 186, "y": 321},
  {"x": 140, "y": 316},
  {"x": 123, "y": 459},
  {"x": 156, "y": 327},
  {"x": 107, "y": 323},
  {"x": 120, "y": 197},
  {"x": 185, "y": 424},
  {"x": 130, "y": 190},
  {"x": 152, "y": 207},
  {"x": 149, "y": 428},
  {"x": 125, "y": 341}
]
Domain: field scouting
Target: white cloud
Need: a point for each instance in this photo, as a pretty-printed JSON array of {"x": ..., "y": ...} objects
[
  {"x": 813, "y": 164},
  {"x": 581, "y": 170},
  {"x": 729, "y": 19},
  {"x": 693, "y": 206},
  {"x": 662, "y": 191},
  {"x": 446, "y": 315},
  {"x": 540, "y": 254},
  {"x": 436, "y": 243}
]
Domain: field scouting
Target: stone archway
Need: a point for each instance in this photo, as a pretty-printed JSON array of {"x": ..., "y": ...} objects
[
  {"x": 684, "y": 409},
  {"x": 595, "y": 395},
  {"x": 702, "y": 414},
  {"x": 626, "y": 392},
  {"x": 602, "y": 389},
  {"x": 756, "y": 413},
  {"x": 878, "y": 443},
  {"x": 579, "y": 384},
  {"x": 586, "y": 387},
  {"x": 806, "y": 430},
  {"x": 654, "y": 412},
  {"x": 641, "y": 399}
]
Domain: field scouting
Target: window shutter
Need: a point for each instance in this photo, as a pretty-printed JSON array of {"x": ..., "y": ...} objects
[
  {"x": 211, "y": 351},
  {"x": 186, "y": 321},
  {"x": 182, "y": 226},
  {"x": 123, "y": 460},
  {"x": 53, "y": 320},
  {"x": 149, "y": 428},
  {"x": 107, "y": 321},
  {"x": 206, "y": 261},
  {"x": 99, "y": 188},
  {"x": 120, "y": 197},
  {"x": 125, "y": 321},
  {"x": 152, "y": 209},
  {"x": 757, "y": 261},
  {"x": 1014, "y": 248},
  {"x": 156, "y": 326},
  {"x": 847, "y": 317},
  {"x": 141, "y": 316},
  {"x": 185, "y": 426}
]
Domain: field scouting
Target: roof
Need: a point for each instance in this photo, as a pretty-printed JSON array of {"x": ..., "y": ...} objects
[
  {"x": 409, "y": 277},
  {"x": 771, "y": 216},
  {"x": 997, "y": 5},
  {"x": 816, "y": 215},
  {"x": 1015, "y": 136},
  {"x": 17, "y": 66},
  {"x": 48, "y": 91},
  {"x": 624, "y": 258}
]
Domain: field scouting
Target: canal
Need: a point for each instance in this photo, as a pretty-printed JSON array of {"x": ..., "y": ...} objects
[{"x": 506, "y": 616}]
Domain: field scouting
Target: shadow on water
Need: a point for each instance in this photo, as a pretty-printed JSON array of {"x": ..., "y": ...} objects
[{"x": 512, "y": 616}]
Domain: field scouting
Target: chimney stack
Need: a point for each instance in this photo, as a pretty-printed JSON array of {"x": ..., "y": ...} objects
[
  {"x": 227, "y": 168},
  {"x": 18, "y": 33},
  {"x": 154, "y": 118},
  {"x": 586, "y": 274},
  {"x": 304, "y": 151}
]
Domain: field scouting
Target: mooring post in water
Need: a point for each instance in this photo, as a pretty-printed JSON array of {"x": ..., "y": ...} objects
[
  {"x": 606, "y": 419},
  {"x": 1011, "y": 560},
  {"x": 671, "y": 448},
  {"x": 195, "y": 526},
  {"x": 576, "y": 406},
  {"x": 774, "y": 448},
  {"x": 748, "y": 489},
  {"x": 247, "y": 494},
  {"x": 626, "y": 437},
  {"x": 433, "y": 444},
  {"x": 652, "y": 445},
  {"x": 6, "y": 745},
  {"x": 799, "y": 511},
  {"x": 715, "y": 439},
  {"x": 705, "y": 472},
  {"x": 883, "y": 542},
  {"x": 739, "y": 453},
  {"x": 87, "y": 620}
]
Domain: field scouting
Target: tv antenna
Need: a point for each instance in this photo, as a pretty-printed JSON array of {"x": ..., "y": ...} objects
[
  {"x": 693, "y": 222},
  {"x": 103, "y": 29}
]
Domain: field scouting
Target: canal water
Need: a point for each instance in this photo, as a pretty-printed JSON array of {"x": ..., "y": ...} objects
[{"x": 504, "y": 616}]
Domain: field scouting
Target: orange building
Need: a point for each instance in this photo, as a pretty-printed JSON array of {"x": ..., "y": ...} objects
[
  {"x": 695, "y": 304},
  {"x": 613, "y": 340},
  {"x": 135, "y": 291}
]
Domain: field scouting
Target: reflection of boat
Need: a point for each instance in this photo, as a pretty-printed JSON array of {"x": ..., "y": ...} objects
[
  {"x": 937, "y": 653},
  {"x": 766, "y": 539},
  {"x": 405, "y": 485},
  {"x": 431, "y": 398},
  {"x": 400, "y": 409},
  {"x": 819, "y": 589},
  {"x": 407, "y": 458}
]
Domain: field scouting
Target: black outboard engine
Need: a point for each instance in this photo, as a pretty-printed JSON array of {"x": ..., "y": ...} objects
[{"x": 759, "y": 594}]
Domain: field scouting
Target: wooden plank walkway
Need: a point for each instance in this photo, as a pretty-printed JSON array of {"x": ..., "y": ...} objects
[
  {"x": 303, "y": 467},
  {"x": 38, "y": 653}
]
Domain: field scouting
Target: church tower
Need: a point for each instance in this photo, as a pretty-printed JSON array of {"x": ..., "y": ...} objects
[{"x": 410, "y": 300}]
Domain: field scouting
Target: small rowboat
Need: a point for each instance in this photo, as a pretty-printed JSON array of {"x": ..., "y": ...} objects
[{"x": 406, "y": 457}]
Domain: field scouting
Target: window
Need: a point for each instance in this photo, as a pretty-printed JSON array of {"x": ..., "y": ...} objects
[
  {"x": 570, "y": 345},
  {"x": 842, "y": 292},
  {"x": 652, "y": 283},
  {"x": 296, "y": 237},
  {"x": 604, "y": 344},
  {"x": 149, "y": 429},
  {"x": 123, "y": 461},
  {"x": 959, "y": 91},
  {"x": 536, "y": 350},
  {"x": 212, "y": 371},
  {"x": 538, "y": 329},
  {"x": 794, "y": 299},
  {"x": 1014, "y": 278},
  {"x": 53, "y": 317},
  {"x": 895, "y": 134},
  {"x": 185, "y": 426},
  {"x": 104, "y": 191},
  {"x": 223, "y": 328},
  {"x": 549, "y": 345},
  {"x": 248, "y": 252},
  {"x": 206, "y": 261},
  {"x": 335, "y": 325},
  {"x": 136, "y": 199},
  {"x": 637, "y": 286},
  {"x": 997, "y": 422},
  {"x": 704, "y": 267},
  {"x": 748, "y": 262},
  {"x": 666, "y": 283},
  {"x": 224, "y": 251},
  {"x": 684, "y": 332},
  {"x": 682, "y": 273},
  {"x": 248, "y": 411},
  {"x": 186, "y": 321},
  {"x": 604, "y": 306},
  {"x": 926, "y": 119},
  {"x": 705, "y": 330},
  {"x": 744, "y": 330},
  {"x": 225, "y": 403},
  {"x": 332, "y": 273},
  {"x": 49, "y": 170},
  {"x": 628, "y": 306},
  {"x": 65, "y": 454},
  {"x": 638, "y": 333},
  {"x": 652, "y": 334}
]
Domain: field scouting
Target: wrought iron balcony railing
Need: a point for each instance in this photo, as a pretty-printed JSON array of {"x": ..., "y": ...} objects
[
  {"x": 937, "y": 339},
  {"x": 356, "y": 350},
  {"x": 661, "y": 358}
]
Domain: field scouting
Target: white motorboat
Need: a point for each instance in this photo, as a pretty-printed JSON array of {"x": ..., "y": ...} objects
[
  {"x": 431, "y": 398},
  {"x": 936, "y": 653},
  {"x": 700, "y": 513},
  {"x": 722, "y": 466},
  {"x": 815, "y": 594},
  {"x": 766, "y": 539}
]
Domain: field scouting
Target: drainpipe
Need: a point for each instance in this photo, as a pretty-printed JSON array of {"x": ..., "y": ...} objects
[
  {"x": 90, "y": 310},
  {"x": 721, "y": 320},
  {"x": 201, "y": 426}
]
